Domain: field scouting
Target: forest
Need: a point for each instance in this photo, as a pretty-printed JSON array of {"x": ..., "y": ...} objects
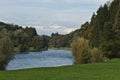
[{"x": 102, "y": 33}]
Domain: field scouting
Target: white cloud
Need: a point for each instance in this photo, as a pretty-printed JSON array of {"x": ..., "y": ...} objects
[
  {"x": 61, "y": 29},
  {"x": 53, "y": 29},
  {"x": 66, "y": 13}
]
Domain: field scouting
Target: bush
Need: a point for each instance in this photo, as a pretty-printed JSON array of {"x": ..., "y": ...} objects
[
  {"x": 96, "y": 55},
  {"x": 80, "y": 50}
]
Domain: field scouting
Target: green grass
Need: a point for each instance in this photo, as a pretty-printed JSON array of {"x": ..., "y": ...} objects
[
  {"x": 109, "y": 70},
  {"x": 31, "y": 49},
  {"x": 62, "y": 48},
  {"x": 16, "y": 49}
]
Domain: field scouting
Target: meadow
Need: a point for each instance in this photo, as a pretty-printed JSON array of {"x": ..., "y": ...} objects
[{"x": 109, "y": 70}]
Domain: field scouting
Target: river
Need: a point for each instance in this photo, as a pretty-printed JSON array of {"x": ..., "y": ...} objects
[{"x": 49, "y": 58}]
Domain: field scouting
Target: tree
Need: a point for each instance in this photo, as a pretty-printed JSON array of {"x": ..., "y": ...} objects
[
  {"x": 40, "y": 42},
  {"x": 80, "y": 50},
  {"x": 96, "y": 55},
  {"x": 6, "y": 50}
]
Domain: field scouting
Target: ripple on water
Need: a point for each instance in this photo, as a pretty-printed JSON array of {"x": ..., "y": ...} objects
[{"x": 50, "y": 58}]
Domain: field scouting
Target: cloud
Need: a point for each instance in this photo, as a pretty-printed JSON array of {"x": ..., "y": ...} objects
[
  {"x": 61, "y": 29},
  {"x": 47, "y": 30},
  {"x": 43, "y": 14}
]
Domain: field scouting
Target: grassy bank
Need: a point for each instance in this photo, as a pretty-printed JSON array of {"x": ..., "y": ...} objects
[
  {"x": 100, "y": 71},
  {"x": 62, "y": 48},
  {"x": 30, "y": 49}
]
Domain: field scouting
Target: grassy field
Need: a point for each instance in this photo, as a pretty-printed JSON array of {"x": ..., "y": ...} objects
[{"x": 109, "y": 70}]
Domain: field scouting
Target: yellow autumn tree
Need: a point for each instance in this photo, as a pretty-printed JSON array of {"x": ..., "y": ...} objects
[{"x": 80, "y": 50}]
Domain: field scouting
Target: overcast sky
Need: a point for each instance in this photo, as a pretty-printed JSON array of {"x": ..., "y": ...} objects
[{"x": 49, "y": 16}]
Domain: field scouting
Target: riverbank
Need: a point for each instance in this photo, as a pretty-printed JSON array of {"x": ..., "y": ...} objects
[
  {"x": 62, "y": 48},
  {"x": 109, "y": 70},
  {"x": 31, "y": 49}
]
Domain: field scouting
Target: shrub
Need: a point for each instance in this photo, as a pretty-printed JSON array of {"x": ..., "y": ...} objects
[
  {"x": 96, "y": 55},
  {"x": 80, "y": 50}
]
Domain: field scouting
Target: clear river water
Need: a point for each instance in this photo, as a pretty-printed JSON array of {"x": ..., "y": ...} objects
[{"x": 49, "y": 58}]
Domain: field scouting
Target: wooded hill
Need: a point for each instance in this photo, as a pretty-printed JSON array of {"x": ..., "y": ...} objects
[{"x": 103, "y": 31}]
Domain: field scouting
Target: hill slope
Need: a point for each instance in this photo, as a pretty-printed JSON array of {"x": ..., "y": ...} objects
[{"x": 103, "y": 31}]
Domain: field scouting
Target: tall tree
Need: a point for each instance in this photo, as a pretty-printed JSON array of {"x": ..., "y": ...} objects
[{"x": 6, "y": 50}]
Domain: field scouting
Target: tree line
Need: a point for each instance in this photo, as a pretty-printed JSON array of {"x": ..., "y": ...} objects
[{"x": 102, "y": 33}]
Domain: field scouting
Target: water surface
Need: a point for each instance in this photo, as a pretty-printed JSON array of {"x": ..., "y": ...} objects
[{"x": 49, "y": 58}]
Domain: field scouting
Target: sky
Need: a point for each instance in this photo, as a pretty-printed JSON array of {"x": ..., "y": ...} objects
[{"x": 49, "y": 16}]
